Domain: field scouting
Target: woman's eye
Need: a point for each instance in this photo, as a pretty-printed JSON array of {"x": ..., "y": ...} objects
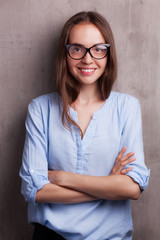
[
  {"x": 98, "y": 50},
  {"x": 77, "y": 49}
]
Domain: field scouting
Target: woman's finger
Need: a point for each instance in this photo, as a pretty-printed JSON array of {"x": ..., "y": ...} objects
[
  {"x": 127, "y": 156},
  {"x": 122, "y": 152},
  {"x": 125, "y": 162},
  {"x": 124, "y": 171},
  {"x": 120, "y": 155}
]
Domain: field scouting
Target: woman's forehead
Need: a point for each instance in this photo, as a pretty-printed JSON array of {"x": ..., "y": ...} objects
[{"x": 86, "y": 34}]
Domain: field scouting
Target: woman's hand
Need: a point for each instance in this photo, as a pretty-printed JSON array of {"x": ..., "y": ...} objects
[{"x": 121, "y": 161}]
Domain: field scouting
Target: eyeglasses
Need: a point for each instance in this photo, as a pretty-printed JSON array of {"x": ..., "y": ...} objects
[{"x": 97, "y": 51}]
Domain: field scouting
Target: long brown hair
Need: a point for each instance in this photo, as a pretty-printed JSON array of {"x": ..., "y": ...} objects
[{"x": 68, "y": 87}]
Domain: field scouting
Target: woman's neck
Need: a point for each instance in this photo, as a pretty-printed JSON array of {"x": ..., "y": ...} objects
[{"x": 89, "y": 94}]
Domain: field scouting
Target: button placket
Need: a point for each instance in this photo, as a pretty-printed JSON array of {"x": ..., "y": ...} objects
[{"x": 80, "y": 161}]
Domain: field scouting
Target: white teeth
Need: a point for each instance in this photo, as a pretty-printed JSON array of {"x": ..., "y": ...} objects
[{"x": 87, "y": 70}]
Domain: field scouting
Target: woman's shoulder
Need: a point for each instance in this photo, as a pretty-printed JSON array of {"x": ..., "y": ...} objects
[
  {"x": 122, "y": 98},
  {"x": 45, "y": 103},
  {"x": 123, "y": 102},
  {"x": 46, "y": 100}
]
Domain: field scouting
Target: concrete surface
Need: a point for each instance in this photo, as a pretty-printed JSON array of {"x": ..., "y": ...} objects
[{"x": 29, "y": 30}]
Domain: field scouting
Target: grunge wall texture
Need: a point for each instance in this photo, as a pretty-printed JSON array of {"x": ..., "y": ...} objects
[{"x": 29, "y": 32}]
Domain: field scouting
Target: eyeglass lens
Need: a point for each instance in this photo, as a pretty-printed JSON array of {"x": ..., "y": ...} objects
[{"x": 78, "y": 52}]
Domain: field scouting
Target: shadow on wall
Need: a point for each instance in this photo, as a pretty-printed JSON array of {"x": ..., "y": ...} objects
[
  {"x": 13, "y": 213},
  {"x": 13, "y": 209}
]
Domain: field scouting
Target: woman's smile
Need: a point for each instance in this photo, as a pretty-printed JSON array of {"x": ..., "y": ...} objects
[{"x": 87, "y": 71}]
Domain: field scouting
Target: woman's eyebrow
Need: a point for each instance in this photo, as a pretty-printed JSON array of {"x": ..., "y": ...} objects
[
  {"x": 79, "y": 44},
  {"x": 76, "y": 43}
]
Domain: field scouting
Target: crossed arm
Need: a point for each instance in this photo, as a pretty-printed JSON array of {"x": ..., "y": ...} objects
[{"x": 70, "y": 188}]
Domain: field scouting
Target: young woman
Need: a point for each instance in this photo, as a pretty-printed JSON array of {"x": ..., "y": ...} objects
[{"x": 79, "y": 172}]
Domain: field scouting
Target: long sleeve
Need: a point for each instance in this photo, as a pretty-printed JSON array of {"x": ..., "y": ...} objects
[
  {"x": 34, "y": 170},
  {"x": 132, "y": 139}
]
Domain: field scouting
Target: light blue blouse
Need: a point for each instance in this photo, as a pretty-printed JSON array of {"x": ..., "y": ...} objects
[{"x": 49, "y": 145}]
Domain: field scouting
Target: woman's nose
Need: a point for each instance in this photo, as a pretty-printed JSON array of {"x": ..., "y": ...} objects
[{"x": 87, "y": 59}]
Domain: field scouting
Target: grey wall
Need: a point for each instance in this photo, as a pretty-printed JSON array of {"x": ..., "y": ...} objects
[{"x": 29, "y": 30}]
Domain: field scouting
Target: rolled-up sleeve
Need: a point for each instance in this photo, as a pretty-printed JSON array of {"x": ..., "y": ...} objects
[
  {"x": 132, "y": 139},
  {"x": 34, "y": 169}
]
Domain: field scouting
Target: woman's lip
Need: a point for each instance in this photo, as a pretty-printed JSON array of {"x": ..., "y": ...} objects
[
  {"x": 83, "y": 68},
  {"x": 87, "y": 71}
]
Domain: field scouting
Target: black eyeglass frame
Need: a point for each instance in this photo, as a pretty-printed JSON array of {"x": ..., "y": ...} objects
[{"x": 68, "y": 46}]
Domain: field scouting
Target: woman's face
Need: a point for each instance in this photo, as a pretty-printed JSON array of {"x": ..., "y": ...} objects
[{"x": 86, "y": 70}]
